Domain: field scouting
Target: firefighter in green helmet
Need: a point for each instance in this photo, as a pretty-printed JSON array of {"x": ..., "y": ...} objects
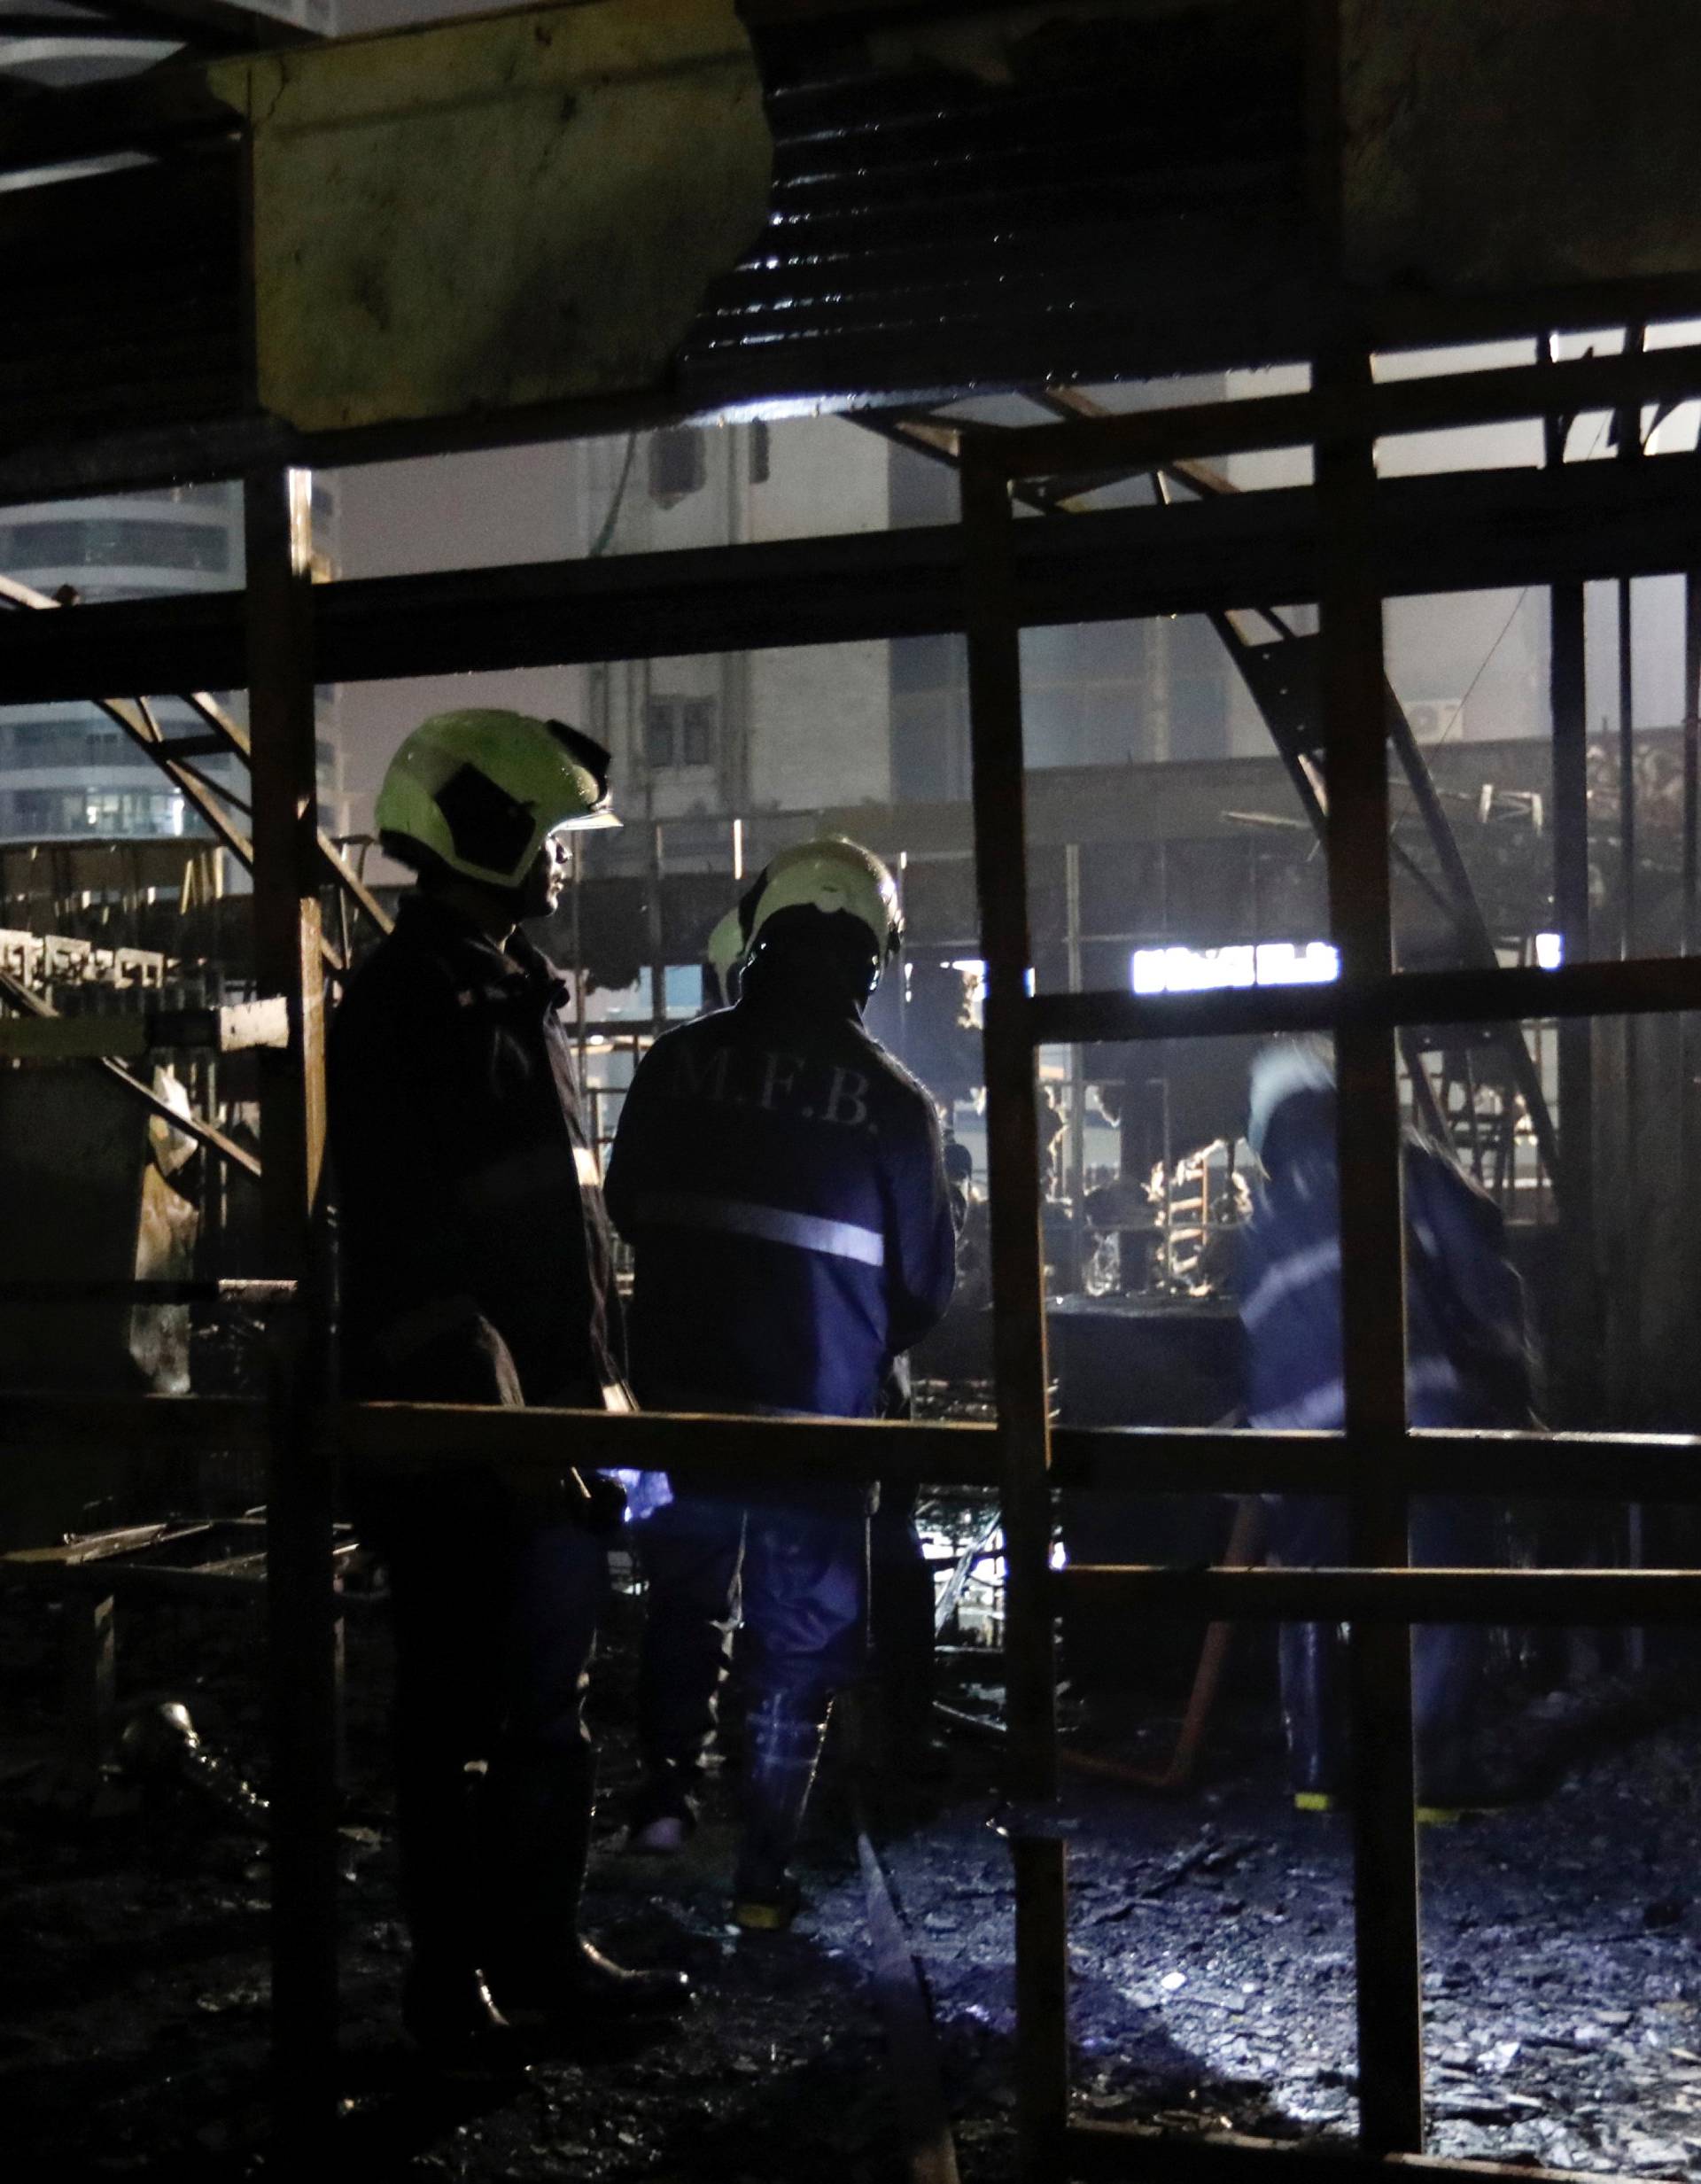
[{"x": 477, "y": 1268}]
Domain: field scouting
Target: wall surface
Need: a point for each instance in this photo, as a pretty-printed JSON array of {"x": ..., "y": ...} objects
[{"x": 1526, "y": 143}]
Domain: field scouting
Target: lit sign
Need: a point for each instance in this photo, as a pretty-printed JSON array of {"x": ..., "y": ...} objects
[
  {"x": 1269, "y": 963},
  {"x": 1203, "y": 970}
]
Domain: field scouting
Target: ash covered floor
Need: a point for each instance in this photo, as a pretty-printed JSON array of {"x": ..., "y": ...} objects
[{"x": 1211, "y": 1954}]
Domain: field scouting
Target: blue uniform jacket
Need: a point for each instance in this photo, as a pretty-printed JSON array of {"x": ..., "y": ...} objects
[
  {"x": 780, "y": 1178},
  {"x": 1467, "y": 1359}
]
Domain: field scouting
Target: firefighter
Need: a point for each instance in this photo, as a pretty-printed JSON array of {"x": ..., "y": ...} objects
[
  {"x": 477, "y": 1269},
  {"x": 1467, "y": 1363},
  {"x": 780, "y": 1179}
]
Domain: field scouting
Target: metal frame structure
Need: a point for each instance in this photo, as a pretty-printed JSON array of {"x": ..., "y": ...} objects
[
  {"x": 1380, "y": 1596},
  {"x": 1346, "y": 541},
  {"x": 1376, "y": 1463}
]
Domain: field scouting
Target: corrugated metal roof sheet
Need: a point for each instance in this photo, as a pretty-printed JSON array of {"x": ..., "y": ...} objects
[{"x": 1036, "y": 196}]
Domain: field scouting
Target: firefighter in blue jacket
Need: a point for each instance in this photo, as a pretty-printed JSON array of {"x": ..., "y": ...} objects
[
  {"x": 780, "y": 1179},
  {"x": 478, "y": 1268},
  {"x": 1467, "y": 1363}
]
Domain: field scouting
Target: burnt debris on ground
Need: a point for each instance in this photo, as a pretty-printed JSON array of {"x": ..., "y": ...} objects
[{"x": 1211, "y": 1950}]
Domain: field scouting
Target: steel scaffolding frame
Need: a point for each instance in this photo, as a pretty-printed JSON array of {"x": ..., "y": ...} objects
[
  {"x": 1346, "y": 541},
  {"x": 1384, "y": 1460}
]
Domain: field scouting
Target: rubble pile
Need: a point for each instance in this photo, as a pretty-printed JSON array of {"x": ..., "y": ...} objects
[{"x": 1211, "y": 1949}]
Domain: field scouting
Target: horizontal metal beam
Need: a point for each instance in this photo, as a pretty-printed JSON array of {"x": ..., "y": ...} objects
[
  {"x": 1606, "y": 1468},
  {"x": 258, "y": 1295},
  {"x": 1645, "y": 986},
  {"x": 1384, "y": 409},
  {"x": 15, "y": 994},
  {"x": 173, "y": 102},
  {"x": 1125, "y": 2152},
  {"x": 1461, "y": 531},
  {"x": 213, "y": 1425},
  {"x": 407, "y": 1436},
  {"x": 231, "y": 1030},
  {"x": 1499, "y": 1466},
  {"x": 1391, "y": 1596}
]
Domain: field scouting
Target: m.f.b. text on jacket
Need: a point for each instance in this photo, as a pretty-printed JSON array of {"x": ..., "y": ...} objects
[{"x": 780, "y": 1178}]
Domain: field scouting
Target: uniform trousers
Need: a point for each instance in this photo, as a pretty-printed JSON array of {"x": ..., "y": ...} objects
[
  {"x": 1447, "y": 1659},
  {"x": 797, "y": 1578},
  {"x": 494, "y": 1612}
]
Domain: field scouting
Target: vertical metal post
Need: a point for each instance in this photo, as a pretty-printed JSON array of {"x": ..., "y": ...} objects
[
  {"x": 1390, "y": 2039},
  {"x": 1042, "y": 2001},
  {"x": 91, "y": 1669},
  {"x": 1354, "y": 719},
  {"x": 1629, "y": 922},
  {"x": 657, "y": 937},
  {"x": 1577, "y": 1364},
  {"x": 575, "y": 913},
  {"x": 1691, "y": 755},
  {"x": 1390, "y": 2024},
  {"x": 1018, "y": 1290},
  {"x": 1627, "y": 1319},
  {"x": 1686, "y": 1026},
  {"x": 301, "y": 1651},
  {"x": 1625, "y": 1333},
  {"x": 1077, "y": 1172}
]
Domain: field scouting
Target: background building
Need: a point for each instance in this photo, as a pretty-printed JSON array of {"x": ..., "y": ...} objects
[
  {"x": 66, "y": 771},
  {"x": 743, "y": 734}
]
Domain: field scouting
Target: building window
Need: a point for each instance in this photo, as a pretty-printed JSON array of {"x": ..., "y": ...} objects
[
  {"x": 122, "y": 812},
  {"x": 116, "y": 541},
  {"x": 660, "y": 722},
  {"x": 680, "y": 731},
  {"x": 677, "y": 465},
  {"x": 697, "y": 731},
  {"x": 761, "y": 453}
]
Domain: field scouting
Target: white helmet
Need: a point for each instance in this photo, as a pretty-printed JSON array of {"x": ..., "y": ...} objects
[{"x": 1279, "y": 1071}]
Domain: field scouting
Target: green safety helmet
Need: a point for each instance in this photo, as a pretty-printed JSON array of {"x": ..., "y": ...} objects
[
  {"x": 830, "y": 875},
  {"x": 724, "y": 951},
  {"x": 478, "y": 792}
]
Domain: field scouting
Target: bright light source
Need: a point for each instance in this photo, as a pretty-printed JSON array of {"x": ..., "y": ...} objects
[
  {"x": 1281, "y": 964},
  {"x": 1203, "y": 970},
  {"x": 976, "y": 969},
  {"x": 1549, "y": 951}
]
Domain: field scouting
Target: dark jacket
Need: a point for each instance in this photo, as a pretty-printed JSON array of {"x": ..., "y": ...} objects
[
  {"x": 781, "y": 1180},
  {"x": 477, "y": 1262},
  {"x": 1467, "y": 1357}
]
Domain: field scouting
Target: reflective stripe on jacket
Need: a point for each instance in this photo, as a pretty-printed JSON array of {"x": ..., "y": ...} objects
[
  {"x": 780, "y": 1179},
  {"x": 1467, "y": 1359}
]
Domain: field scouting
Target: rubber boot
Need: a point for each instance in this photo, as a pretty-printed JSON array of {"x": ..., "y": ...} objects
[
  {"x": 535, "y": 1844},
  {"x": 447, "y": 2007},
  {"x": 1448, "y": 1661},
  {"x": 1311, "y": 1663},
  {"x": 783, "y": 1736},
  {"x": 448, "y": 2012}
]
